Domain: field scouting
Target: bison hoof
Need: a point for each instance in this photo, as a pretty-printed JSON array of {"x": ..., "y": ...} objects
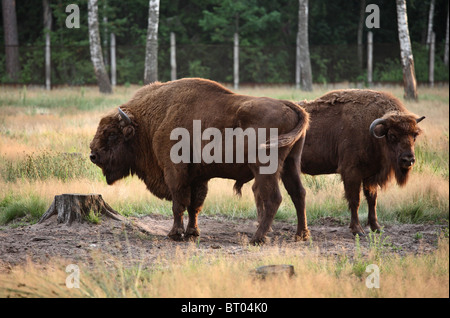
[
  {"x": 191, "y": 233},
  {"x": 259, "y": 240},
  {"x": 357, "y": 230},
  {"x": 376, "y": 228},
  {"x": 176, "y": 234},
  {"x": 302, "y": 236}
]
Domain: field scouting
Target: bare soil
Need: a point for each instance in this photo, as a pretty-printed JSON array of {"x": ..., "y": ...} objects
[{"x": 42, "y": 242}]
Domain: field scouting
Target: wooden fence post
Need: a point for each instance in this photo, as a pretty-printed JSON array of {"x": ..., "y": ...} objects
[
  {"x": 236, "y": 60},
  {"x": 173, "y": 57},
  {"x": 431, "y": 61},
  {"x": 369, "y": 58},
  {"x": 113, "y": 58}
]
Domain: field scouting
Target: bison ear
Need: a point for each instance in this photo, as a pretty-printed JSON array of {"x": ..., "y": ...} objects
[{"x": 128, "y": 132}]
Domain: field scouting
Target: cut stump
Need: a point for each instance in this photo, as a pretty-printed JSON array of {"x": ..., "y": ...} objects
[
  {"x": 71, "y": 208},
  {"x": 274, "y": 270}
]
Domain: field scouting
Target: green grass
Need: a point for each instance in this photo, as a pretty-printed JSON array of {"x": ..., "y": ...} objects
[
  {"x": 28, "y": 209},
  {"x": 93, "y": 217},
  {"x": 433, "y": 159},
  {"x": 45, "y": 165}
]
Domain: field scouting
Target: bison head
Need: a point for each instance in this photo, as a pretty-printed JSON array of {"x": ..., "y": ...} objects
[
  {"x": 112, "y": 146},
  {"x": 399, "y": 132}
]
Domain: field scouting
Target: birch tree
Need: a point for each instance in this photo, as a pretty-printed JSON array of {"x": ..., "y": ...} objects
[
  {"x": 430, "y": 22},
  {"x": 96, "y": 49},
  {"x": 303, "y": 70},
  {"x": 11, "y": 39},
  {"x": 151, "y": 48},
  {"x": 47, "y": 29},
  {"x": 409, "y": 76}
]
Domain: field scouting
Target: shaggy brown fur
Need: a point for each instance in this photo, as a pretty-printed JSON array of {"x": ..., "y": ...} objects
[
  {"x": 339, "y": 141},
  {"x": 143, "y": 148}
]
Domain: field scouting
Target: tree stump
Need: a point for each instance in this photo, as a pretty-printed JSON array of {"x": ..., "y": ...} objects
[
  {"x": 264, "y": 272},
  {"x": 71, "y": 208},
  {"x": 76, "y": 207}
]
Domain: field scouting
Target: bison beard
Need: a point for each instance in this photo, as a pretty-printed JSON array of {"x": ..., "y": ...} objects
[
  {"x": 365, "y": 136},
  {"x": 120, "y": 158},
  {"x": 136, "y": 139}
]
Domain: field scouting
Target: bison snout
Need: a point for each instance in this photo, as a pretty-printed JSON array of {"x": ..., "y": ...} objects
[
  {"x": 94, "y": 157},
  {"x": 408, "y": 161}
]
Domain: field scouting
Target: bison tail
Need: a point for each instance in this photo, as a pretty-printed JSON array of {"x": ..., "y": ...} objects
[
  {"x": 295, "y": 134},
  {"x": 238, "y": 188}
]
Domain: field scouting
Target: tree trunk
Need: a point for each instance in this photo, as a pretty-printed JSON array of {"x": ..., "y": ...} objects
[
  {"x": 431, "y": 60},
  {"x": 362, "y": 11},
  {"x": 11, "y": 39},
  {"x": 297, "y": 62},
  {"x": 303, "y": 45},
  {"x": 113, "y": 59},
  {"x": 430, "y": 22},
  {"x": 446, "y": 43},
  {"x": 173, "y": 57},
  {"x": 236, "y": 61},
  {"x": 105, "y": 34},
  {"x": 47, "y": 30},
  {"x": 236, "y": 52},
  {"x": 71, "y": 208},
  {"x": 369, "y": 58},
  {"x": 151, "y": 49},
  {"x": 409, "y": 76},
  {"x": 96, "y": 49}
]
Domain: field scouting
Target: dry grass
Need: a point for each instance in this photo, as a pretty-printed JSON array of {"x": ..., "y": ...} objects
[{"x": 192, "y": 273}]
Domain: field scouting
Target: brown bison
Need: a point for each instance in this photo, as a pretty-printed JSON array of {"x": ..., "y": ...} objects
[
  {"x": 138, "y": 138},
  {"x": 365, "y": 136}
]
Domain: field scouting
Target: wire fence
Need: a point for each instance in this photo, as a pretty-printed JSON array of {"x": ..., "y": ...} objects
[{"x": 71, "y": 65}]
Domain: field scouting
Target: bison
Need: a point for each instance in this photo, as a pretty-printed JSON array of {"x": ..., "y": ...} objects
[
  {"x": 365, "y": 136},
  {"x": 137, "y": 138}
]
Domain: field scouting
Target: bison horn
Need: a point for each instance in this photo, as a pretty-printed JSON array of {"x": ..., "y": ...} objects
[
  {"x": 124, "y": 117},
  {"x": 378, "y": 121},
  {"x": 418, "y": 120}
]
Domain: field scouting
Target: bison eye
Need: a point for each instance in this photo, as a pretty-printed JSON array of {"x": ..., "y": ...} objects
[
  {"x": 112, "y": 138},
  {"x": 392, "y": 138}
]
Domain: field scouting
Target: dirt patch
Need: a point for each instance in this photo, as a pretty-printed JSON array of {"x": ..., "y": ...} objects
[{"x": 41, "y": 242}]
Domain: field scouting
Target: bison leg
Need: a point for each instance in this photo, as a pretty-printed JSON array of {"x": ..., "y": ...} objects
[
  {"x": 259, "y": 206},
  {"x": 181, "y": 198},
  {"x": 268, "y": 196},
  {"x": 370, "y": 192},
  {"x": 293, "y": 185},
  {"x": 198, "y": 195},
  {"x": 177, "y": 231},
  {"x": 352, "y": 190}
]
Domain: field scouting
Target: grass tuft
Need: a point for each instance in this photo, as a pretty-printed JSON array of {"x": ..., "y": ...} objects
[{"x": 28, "y": 209}]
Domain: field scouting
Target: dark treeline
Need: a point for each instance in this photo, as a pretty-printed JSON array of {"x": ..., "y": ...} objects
[{"x": 204, "y": 36}]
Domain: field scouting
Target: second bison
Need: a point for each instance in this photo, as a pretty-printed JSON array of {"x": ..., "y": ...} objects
[{"x": 367, "y": 137}]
